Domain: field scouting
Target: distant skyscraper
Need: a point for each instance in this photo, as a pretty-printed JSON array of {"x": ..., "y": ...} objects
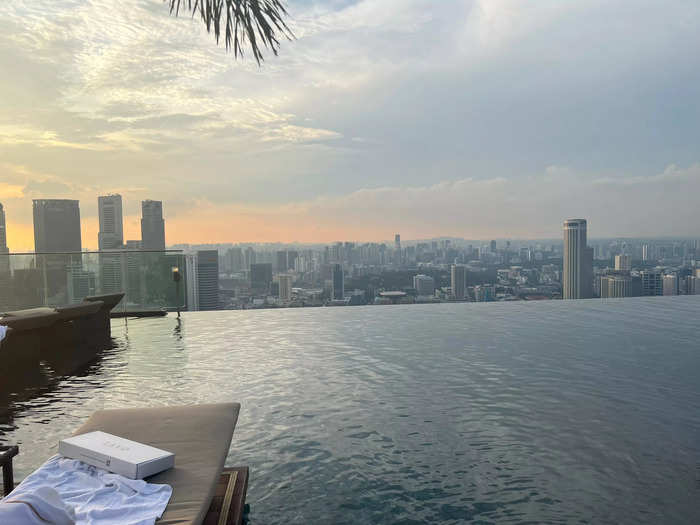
[
  {"x": 152, "y": 225},
  {"x": 645, "y": 252},
  {"x": 424, "y": 285},
  {"x": 670, "y": 284},
  {"x": 459, "y": 281},
  {"x": 260, "y": 278},
  {"x": 338, "y": 282},
  {"x": 692, "y": 286},
  {"x": 493, "y": 246},
  {"x": 623, "y": 263},
  {"x": 235, "y": 259},
  {"x": 111, "y": 233},
  {"x": 577, "y": 282},
  {"x": 110, "y": 237},
  {"x": 56, "y": 225},
  {"x": 250, "y": 257},
  {"x": 292, "y": 256},
  {"x": 208, "y": 279},
  {"x": 285, "y": 287},
  {"x": 651, "y": 282},
  {"x": 397, "y": 249},
  {"x": 281, "y": 261},
  {"x": 4, "y": 263},
  {"x": 3, "y": 231}
]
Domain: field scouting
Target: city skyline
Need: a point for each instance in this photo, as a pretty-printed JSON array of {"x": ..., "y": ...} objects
[
  {"x": 512, "y": 107},
  {"x": 110, "y": 207}
]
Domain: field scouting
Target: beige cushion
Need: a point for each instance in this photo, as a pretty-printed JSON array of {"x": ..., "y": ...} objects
[{"x": 200, "y": 437}]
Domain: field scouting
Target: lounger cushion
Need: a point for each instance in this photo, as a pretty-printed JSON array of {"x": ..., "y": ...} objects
[{"x": 200, "y": 437}]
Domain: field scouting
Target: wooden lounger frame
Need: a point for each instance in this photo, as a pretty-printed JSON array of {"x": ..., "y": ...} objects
[
  {"x": 6, "y": 455},
  {"x": 228, "y": 505}
]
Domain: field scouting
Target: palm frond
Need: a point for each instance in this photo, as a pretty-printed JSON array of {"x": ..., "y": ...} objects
[{"x": 257, "y": 23}]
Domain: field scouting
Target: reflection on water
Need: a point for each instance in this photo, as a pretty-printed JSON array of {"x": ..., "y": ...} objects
[{"x": 583, "y": 411}]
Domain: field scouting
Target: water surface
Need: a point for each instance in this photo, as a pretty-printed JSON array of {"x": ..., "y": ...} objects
[{"x": 559, "y": 412}]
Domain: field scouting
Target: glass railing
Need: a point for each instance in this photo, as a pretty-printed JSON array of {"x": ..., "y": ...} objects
[{"x": 29, "y": 280}]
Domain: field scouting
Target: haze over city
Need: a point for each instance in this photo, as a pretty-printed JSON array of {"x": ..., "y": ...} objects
[{"x": 481, "y": 119}]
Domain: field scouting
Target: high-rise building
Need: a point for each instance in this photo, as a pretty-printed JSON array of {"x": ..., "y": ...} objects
[
  {"x": 208, "y": 279},
  {"x": 651, "y": 282},
  {"x": 235, "y": 259},
  {"x": 337, "y": 282},
  {"x": 577, "y": 281},
  {"x": 623, "y": 263},
  {"x": 459, "y": 281},
  {"x": 3, "y": 231},
  {"x": 111, "y": 234},
  {"x": 424, "y": 285},
  {"x": 281, "y": 261},
  {"x": 250, "y": 257},
  {"x": 4, "y": 264},
  {"x": 152, "y": 225},
  {"x": 260, "y": 278},
  {"x": 285, "y": 287},
  {"x": 398, "y": 259},
  {"x": 110, "y": 237},
  {"x": 493, "y": 246},
  {"x": 56, "y": 225},
  {"x": 4, "y": 251},
  {"x": 692, "y": 286},
  {"x": 56, "y": 230},
  {"x": 80, "y": 283},
  {"x": 670, "y": 284},
  {"x": 645, "y": 252},
  {"x": 292, "y": 256}
]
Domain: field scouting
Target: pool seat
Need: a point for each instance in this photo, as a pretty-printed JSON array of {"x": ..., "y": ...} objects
[{"x": 200, "y": 437}]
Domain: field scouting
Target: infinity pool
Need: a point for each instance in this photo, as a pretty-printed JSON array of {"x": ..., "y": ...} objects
[{"x": 559, "y": 412}]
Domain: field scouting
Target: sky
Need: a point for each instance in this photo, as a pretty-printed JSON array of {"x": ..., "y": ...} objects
[{"x": 468, "y": 118}]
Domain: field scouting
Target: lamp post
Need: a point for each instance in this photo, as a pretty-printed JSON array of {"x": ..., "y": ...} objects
[{"x": 176, "y": 279}]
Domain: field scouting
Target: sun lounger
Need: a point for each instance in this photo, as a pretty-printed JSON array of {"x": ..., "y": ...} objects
[{"x": 200, "y": 437}]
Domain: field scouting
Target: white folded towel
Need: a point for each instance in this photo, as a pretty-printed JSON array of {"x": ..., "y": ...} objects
[
  {"x": 96, "y": 496},
  {"x": 39, "y": 507}
]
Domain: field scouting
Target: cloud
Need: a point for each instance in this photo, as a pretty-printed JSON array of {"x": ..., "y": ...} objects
[
  {"x": 10, "y": 191},
  {"x": 453, "y": 116},
  {"x": 470, "y": 208},
  {"x": 20, "y": 135}
]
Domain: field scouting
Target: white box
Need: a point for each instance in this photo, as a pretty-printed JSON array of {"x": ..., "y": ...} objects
[{"x": 121, "y": 456}]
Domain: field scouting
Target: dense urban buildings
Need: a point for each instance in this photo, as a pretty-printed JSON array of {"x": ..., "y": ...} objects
[
  {"x": 338, "y": 282},
  {"x": 578, "y": 261},
  {"x": 152, "y": 225}
]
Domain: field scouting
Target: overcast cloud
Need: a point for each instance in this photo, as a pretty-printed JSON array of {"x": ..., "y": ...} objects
[{"x": 476, "y": 119}]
